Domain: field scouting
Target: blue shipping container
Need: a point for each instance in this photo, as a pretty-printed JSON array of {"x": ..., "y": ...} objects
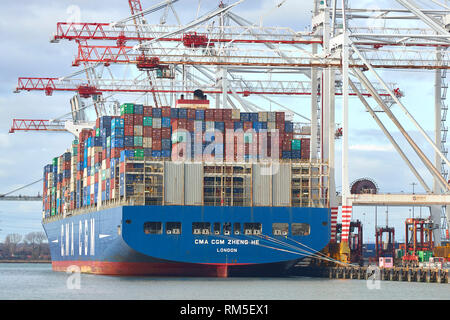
[
  {"x": 199, "y": 114},
  {"x": 156, "y": 113},
  {"x": 165, "y": 122}
]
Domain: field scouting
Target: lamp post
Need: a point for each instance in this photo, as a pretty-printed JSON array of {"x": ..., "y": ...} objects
[{"x": 413, "y": 184}]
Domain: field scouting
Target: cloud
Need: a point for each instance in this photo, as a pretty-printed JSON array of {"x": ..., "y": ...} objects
[{"x": 5, "y": 141}]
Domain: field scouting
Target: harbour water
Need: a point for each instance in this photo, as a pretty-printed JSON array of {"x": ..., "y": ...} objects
[{"x": 39, "y": 282}]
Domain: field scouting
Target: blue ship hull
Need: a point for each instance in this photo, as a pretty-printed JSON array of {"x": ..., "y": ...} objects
[{"x": 114, "y": 242}]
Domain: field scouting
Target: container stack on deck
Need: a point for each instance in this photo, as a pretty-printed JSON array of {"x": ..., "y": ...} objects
[{"x": 97, "y": 158}]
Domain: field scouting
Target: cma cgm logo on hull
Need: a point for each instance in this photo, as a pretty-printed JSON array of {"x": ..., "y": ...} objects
[{"x": 86, "y": 238}]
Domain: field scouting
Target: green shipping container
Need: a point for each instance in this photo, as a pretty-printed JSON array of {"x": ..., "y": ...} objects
[
  {"x": 138, "y": 141},
  {"x": 296, "y": 144},
  {"x": 97, "y": 132},
  {"x": 148, "y": 121},
  {"x": 139, "y": 153},
  {"x": 55, "y": 161},
  {"x": 248, "y": 138},
  {"x": 108, "y": 142},
  {"x": 126, "y": 108}
]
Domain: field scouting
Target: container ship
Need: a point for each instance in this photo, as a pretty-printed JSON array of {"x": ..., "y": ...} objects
[{"x": 186, "y": 191}]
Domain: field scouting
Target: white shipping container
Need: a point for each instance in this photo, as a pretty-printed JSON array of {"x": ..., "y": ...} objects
[
  {"x": 156, "y": 123},
  {"x": 173, "y": 183},
  {"x": 235, "y": 114},
  {"x": 193, "y": 184},
  {"x": 262, "y": 182},
  {"x": 138, "y": 130},
  {"x": 281, "y": 185},
  {"x": 262, "y": 116}
]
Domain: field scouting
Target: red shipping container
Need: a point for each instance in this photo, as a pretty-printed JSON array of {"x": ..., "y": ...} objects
[
  {"x": 288, "y": 136},
  {"x": 209, "y": 115},
  {"x": 96, "y": 177},
  {"x": 279, "y": 117},
  {"x": 147, "y": 132},
  {"x": 128, "y": 119},
  {"x": 156, "y": 134},
  {"x": 122, "y": 167},
  {"x": 128, "y": 130},
  {"x": 98, "y": 157},
  {"x": 228, "y": 124},
  {"x": 165, "y": 112},
  {"x": 115, "y": 152},
  {"x": 227, "y": 114},
  {"x": 218, "y": 114},
  {"x": 179, "y": 124},
  {"x": 165, "y": 133},
  {"x": 280, "y": 127},
  {"x": 138, "y": 119},
  {"x": 66, "y": 165},
  {"x": 88, "y": 181},
  {"x": 190, "y": 125},
  {"x": 147, "y": 111},
  {"x": 104, "y": 185},
  {"x": 248, "y": 125},
  {"x": 286, "y": 145},
  {"x": 97, "y": 123},
  {"x": 305, "y": 141},
  {"x": 156, "y": 144},
  {"x": 191, "y": 114}
]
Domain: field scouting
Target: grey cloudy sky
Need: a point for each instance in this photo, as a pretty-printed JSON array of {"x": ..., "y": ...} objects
[{"x": 26, "y": 27}]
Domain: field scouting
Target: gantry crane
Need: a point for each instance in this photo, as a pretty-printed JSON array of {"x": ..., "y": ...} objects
[{"x": 220, "y": 51}]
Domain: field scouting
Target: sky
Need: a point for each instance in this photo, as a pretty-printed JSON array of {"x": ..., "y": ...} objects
[{"x": 26, "y": 27}]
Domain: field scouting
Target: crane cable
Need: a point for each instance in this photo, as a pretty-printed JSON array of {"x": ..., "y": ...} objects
[
  {"x": 313, "y": 252},
  {"x": 3, "y": 195},
  {"x": 299, "y": 251}
]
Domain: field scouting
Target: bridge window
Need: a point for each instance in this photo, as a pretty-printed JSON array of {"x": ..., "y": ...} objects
[
  {"x": 227, "y": 228},
  {"x": 153, "y": 228},
  {"x": 237, "y": 228},
  {"x": 252, "y": 228},
  {"x": 173, "y": 227},
  {"x": 280, "y": 229},
  {"x": 216, "y": 228},
  {"x": 201, "y": 228},
  {"x": 300, "y": 229}
]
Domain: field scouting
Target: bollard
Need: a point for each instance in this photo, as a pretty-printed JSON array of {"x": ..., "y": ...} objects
[
  {"x": 419, "y": 275},
  {"x": 409, "y": 275}
]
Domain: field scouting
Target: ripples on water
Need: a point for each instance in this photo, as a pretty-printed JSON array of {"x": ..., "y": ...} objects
[{"x": 38, "y": 281}]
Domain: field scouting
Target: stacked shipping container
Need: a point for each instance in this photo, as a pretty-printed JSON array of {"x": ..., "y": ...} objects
[{"x": 96, "y": 160}]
